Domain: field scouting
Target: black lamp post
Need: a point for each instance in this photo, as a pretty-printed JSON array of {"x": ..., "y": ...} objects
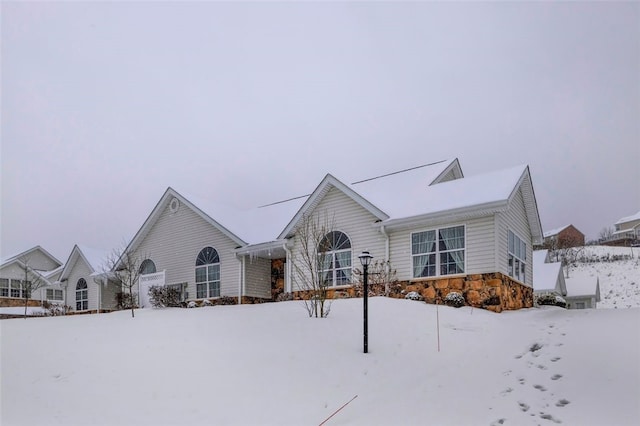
[{"x": 365, "y": 260}]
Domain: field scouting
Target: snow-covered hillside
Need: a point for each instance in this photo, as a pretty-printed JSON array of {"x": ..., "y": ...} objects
[
  {"x": 617, "y": 268},
  {"x": 272, "y": 365}
]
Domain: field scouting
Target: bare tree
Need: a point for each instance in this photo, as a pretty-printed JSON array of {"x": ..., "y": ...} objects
[
  {"x": 309, "y": 260},
  {"x": 605, "y": 233},
  {"x": 123, "y": 267},
  {"x": 32, "y": 282},
  {"x": 382, "y": 279}
]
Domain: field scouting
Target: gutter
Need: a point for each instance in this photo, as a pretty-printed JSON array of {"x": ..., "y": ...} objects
[{"x": 449, "y": 215}]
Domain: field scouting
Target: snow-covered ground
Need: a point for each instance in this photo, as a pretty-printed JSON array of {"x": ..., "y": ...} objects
[
  {"x": 619, "y": 279},
  {"x": 272, "y": 365}
]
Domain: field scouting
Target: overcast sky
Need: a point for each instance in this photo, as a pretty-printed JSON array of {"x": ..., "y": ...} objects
[{"x": 105, "y": 105}]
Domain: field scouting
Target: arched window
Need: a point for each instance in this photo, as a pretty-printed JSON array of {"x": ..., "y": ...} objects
[
  {"x": 207, "y": 273},
  {"x": 334, "y": 256},
  {"x": 147, "y": 267},
  {"x": 82, "y": 295}
]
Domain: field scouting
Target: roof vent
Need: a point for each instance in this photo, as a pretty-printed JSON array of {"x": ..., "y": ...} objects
[{"x": 174, "y": 205}]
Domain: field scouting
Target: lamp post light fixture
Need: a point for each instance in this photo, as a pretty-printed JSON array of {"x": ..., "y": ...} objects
[{"x": 365, "y": 260}]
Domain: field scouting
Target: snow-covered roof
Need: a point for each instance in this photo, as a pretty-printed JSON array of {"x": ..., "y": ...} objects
[
  {"x": 419, "y": 191},
  {"x": 581, "y": 286},
  {"x": 410, "y": 197},
  {"x": 26, "y": 253},
  {"x": 628, "y": 218},
  {"x": 94, "y": 258},
  {"x": 547, "y": 276},
  {"x": 556, "y": 231}
]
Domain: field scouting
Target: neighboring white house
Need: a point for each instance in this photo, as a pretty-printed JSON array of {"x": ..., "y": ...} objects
[
  {"x": 440, "y": 230},
  {"x": 38, "y": 264},
  {"x": 548, "y": 276},
  {"x": 85, "y": 283},
  {"x": 626, "y": 231},
  {"x": 582, "y": 293}
]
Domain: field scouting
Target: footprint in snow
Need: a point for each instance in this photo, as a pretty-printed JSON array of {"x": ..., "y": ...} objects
[
  {"x": 540, "y": 388},
  {"x": 498, "y": 422},
  {"x": 562, "y": 403},
  {"x": 556, "y": 376},
  {"x": 555, "y": 358},
  {"x": 548, "y": 416},
  {"x": 524, "y": 407},
  {"x": 506, "y": 391},
  {"x": 541, "y": 367}
]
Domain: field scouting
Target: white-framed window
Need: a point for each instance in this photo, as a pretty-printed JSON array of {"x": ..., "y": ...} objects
[
  {"x": 4, "y": 287},
  {"x": 147, "y": 267},
  {"x": 438, "y": 252},
  {"x": 517, "y": 257},
  {"x": 17, "y": 287},
  {"x": 82, "y": 295},
  {"x": 334, "y": 259},
  {"x": 207, "y": 273},
  {"x": 54, "y": 294}
]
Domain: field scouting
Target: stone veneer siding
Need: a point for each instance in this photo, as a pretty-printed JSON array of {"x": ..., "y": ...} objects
[
  {"x": 495, "y": 292},
  {"x": 7, "y": 302}
]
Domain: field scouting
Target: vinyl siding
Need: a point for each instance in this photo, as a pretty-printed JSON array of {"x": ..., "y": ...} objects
[
  {"x": 80, "y": 270},
  {"x": 514, "y": 219},
  {"x": 353, "y": 220},
  {"x": 13, "y": 271},
  {"x": 479, "y": 245},
  {"x": 173, "y": 244},
  {"x": 258, "y": 277},
  {"x": 39, "y": 261}
]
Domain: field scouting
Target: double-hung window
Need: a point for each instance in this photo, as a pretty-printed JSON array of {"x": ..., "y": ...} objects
[
  {"x": 334, "y": 259},
  {"x": 54, "y": 294},
  {"x": 438, "y": 252},
  {"x": 4, "y": 287},
  {"x": 82, "y": 295},
  {"x": 207, "y": 273},
  {"x": 16, "y": 288},
  {"x": 517, "y": 257}
]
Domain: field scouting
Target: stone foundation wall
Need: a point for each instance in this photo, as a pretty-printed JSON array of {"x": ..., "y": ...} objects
[
  {"x": 7, "y": 302},
  {"x": 495, "y": 292}
]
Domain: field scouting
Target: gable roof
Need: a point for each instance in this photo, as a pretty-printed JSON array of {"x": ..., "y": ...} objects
[
  {"x": 547, "y": 276},
  {"x": 628, "y": 219},
  {"x": 581, "y": 287},
  {"x": 163, "y": 203},
  {"x": 469, "y": 197},
  {"x": 26, "y": 253},
  {"x": 555, "y": 231},
  {"x": 318, "y": 194},
  {"x": 415, "y": 194},
  {"x": 94, "y": 258}
]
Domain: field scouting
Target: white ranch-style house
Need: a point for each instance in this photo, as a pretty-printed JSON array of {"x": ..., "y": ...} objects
[{"x": 439, "y": 230}]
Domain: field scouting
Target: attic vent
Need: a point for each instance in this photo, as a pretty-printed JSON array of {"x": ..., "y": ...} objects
[{"x": 174, "y": 205}]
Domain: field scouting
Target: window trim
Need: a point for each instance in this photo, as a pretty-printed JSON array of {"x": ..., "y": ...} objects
[
  {"x": 437, "y": 252},
  {"x": 208, "y": 282},
  {"x": 143, "y": 265},
  {"x": 84, "y": 303},
  {"x": 53, "y": 291},
  {"x": 333, "y": 283},
  {"x": 3, "y": 287},
  {"x": 517, "y": 260}
]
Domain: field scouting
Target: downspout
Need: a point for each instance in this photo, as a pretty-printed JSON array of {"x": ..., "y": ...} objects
[
  {"x": 387, "y": 260},
  {"x": 241, "y": 265},
  {"x": 244, "y": 278},
  {"x": 287, "y": 270}
]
